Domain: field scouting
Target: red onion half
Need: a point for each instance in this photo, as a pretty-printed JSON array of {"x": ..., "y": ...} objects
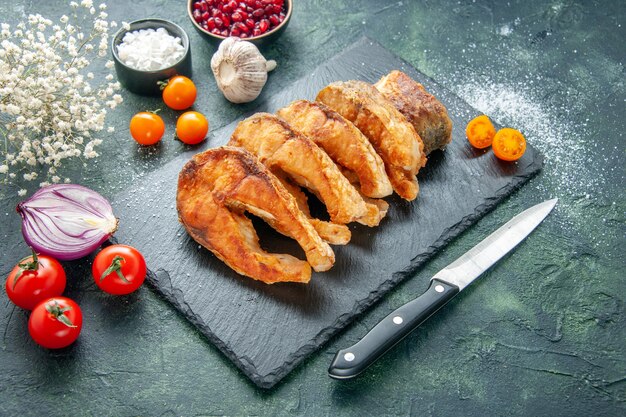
[{"x": 66, "y": 221}]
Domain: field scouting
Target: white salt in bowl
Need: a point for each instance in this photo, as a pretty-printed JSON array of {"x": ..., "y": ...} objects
[{"x": 145, "y": 82}]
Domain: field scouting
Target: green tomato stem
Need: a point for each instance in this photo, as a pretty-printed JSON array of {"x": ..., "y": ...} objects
[
  {"x": 59, "y": 313},
  {"x": 27, "y": 266},
  {"x": 116, "y": 266}
]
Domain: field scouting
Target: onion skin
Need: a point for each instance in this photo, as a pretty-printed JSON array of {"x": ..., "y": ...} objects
[{"x": 66, "y": 221}]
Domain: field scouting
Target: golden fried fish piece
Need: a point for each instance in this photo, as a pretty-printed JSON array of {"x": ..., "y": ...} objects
[
  {"x": 427, "y": 115},
  {"x": 281, "y": 148},
  {"x": 333, "y": 233},
  {"x": 216, "y": 187},
  {"x": 342, "y": 141},
  {"x": 393, "y": 137}
]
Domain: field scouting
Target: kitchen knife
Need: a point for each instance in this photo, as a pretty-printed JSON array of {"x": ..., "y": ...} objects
[{"x": 446, "y": 283}]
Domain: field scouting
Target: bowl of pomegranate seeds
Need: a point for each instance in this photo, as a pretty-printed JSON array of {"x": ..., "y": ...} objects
[{"x": 257, "y": 21}]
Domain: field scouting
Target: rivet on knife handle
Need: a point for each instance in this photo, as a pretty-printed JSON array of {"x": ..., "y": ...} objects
[{"x": 396, "y": 326}]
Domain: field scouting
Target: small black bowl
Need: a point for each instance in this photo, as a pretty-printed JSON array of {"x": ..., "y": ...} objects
[
  {"x": 146, "y": 82},
  {"x": 263, "y": 40}
]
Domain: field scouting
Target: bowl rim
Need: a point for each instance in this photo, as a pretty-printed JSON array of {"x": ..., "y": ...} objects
[
  {"x": 252, "y": 38},
  {"x": 184, "y": 38}
]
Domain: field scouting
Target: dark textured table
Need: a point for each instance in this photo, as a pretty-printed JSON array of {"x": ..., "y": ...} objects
[{"x": 542, "y": 333}]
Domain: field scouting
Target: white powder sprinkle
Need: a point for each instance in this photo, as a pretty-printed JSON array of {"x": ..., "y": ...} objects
[{"x": 150, "y": 49}]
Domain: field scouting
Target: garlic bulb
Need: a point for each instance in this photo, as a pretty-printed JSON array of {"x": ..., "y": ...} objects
[{"x": 240, "y": 70}]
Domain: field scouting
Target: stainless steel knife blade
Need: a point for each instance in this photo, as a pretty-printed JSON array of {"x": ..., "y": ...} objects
[
  {"x": 447, "y": 283},
  {"x": 478, "y": 259}
]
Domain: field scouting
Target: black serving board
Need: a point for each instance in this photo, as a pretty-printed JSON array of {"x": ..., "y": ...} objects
[{"x": 267, "y": 330}]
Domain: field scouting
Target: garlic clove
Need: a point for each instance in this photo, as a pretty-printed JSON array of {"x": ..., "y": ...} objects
[{"x": 240, "y": 70}]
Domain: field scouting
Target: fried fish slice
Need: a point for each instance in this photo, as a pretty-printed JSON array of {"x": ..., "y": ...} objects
[
  {"x": 342, "y": 141},
  {"x": 427, "y": 115},
  {"x": 216, "y": 187},
  {"x": 393, "y": 137},
  {"x": 281, "y": 148},
  {"x": 333, "y": 233}
]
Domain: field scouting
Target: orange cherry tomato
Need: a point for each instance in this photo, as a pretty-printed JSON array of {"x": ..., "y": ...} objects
[
  {"x": 147, "y": 128},
  {"x": 509, "y": 144},
  {"x": 192, "y": 127},
  {"x": 480, "y": 132},
  {"x": 179, "y": 93}
]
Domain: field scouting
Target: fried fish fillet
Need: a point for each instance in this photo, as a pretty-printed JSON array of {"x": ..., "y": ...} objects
[
  {"x": 216, "y": 187},
  {"x": 393, "y": 137},
  {"x": 333, "y": 233},
  {"x": 281, "y": 148},
  {"x": 342, "y": 141},
  {"x": 427, "y": 115}
]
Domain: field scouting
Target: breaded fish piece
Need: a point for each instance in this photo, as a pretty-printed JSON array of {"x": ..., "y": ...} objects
[
  {"x": 427, "y": 115},
  {"x": 342, "y": 141},
  {"x": 392, "y": 136},
  {"x": 281, "y": 148},
  {"x": 216, "y": 187}
]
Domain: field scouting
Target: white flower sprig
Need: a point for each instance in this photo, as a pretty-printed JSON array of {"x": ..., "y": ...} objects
[{"x": 49, "y": 109}]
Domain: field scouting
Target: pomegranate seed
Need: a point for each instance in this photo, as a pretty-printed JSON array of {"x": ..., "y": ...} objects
[
  {"x": 226, "y": 20},
  {"x": 277, "y": 9},
  {"x": 235, "y": 32},
  {"x": 216, "y": 31},
  {"x": 258, "y": 13},
  {"x": 258, "y": 4},
  {"x": 205, "y": 16},
  {"x": 244, "y": 15},
  {"x": 257, "y": 32},
  {"x": 233, "y": 4},
  {"x": 243, "y": 35},
  {"x": 219, "y": 22},
  {"x": 249, "y": 9},
  {"x": 211, "y": 23},
  {"x": 197, "y": 5},
  {"x": 226, "y": 8},
  {"x": 274, "y": 20},
  {"x": 197, "y": 16},
  {"x": 204, "y": 7},
  {"x": 250, "y": 23},
  {"x": 269, "y": 10},
  {"x": 282, "y": 16},
  {"x": 224, "y": 33},
  {"x": 215, "y": 12},
  {"x": 236, "y": 16},
  {"x": 264, "y": 25}
]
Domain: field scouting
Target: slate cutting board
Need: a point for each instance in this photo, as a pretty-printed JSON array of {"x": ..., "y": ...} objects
[{"x": 268, "y": 330}]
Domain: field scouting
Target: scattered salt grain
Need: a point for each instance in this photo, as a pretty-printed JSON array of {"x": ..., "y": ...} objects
[{"x": 150, "y": 49}]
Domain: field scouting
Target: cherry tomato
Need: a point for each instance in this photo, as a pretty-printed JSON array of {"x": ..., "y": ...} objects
[
  {"x": 192, "y": 127},
  {"x": 147, "y": 128},
  {"x": 480, "y": 132},
  {"x": 35, "y": 279},
  {"x": 119, "y": 269},
  {"x": 179, "y": 93},
  {"x": 55, "y": 322},
  {"x": 509, "y": 144}
]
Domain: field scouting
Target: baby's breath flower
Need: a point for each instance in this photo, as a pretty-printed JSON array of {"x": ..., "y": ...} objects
[
  {"x": 21, "y": 192},
  {"x": 49, "y": 109}
]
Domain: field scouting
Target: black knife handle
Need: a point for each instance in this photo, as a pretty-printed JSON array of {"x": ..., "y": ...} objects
[{"x": 350, "y": 362}]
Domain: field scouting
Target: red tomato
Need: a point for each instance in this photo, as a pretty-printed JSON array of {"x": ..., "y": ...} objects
[
  {"x": 119, "y": 269},
  {"x": 34, "y": 279},
  {"x": 192, "y": 127},
  {"x": 55, "y": 323},
  {"x": 179, "y": 93}
]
